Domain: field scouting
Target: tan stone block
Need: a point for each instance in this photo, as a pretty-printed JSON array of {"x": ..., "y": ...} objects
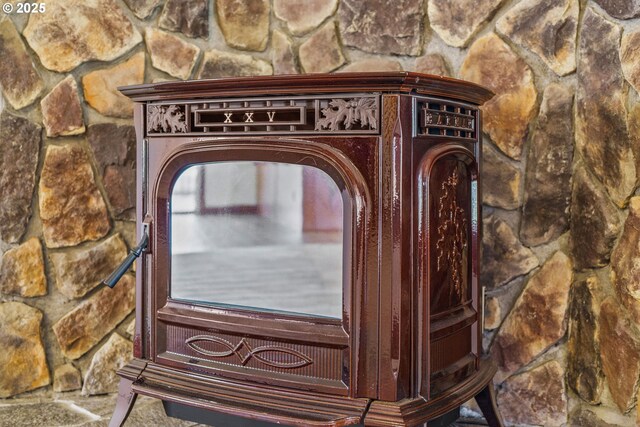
[
  {"x": 381, "y": 26},
  {"x": 631, "y": 304},
  {"x": 142, "y": 8},
  {"x": 131, "y": 328},
  {"x": 548, "y": 28},
  {"x": 119, "y": 183},
  {"x": 457, "y": 21},
  {"x": 216, "y": 64},
  {"x": 78, "y": 271},
  {"x": 190, "y": 17},
  {"x": 630, "y": 58},
  {"x": 282, "y": 56},
  {"x": 633, "y": 120},
  {"x": 492, "y": 313},
  {"x": 583, "y": 417},
  {"x": 85, "y": 326},
  {"x": 244, "y": 24},
  {"x": 602, "y": 133},
  {"x": 491, "y": 63},
  {"x": 547, "y": 189},
  {"x": 503, "y": 256},
  {"x": 502, "y": 180},
  {"x": 101, "y": 377},
  {"x": 127, "y": 230},
  {"x": 20, "y": 82},
  {"x": 538, "y": 318},
  {"x": 620, "y": 352},
  {"x": 22, "y": 270},
  {"x": 535, "y": 397},
  {"x": 621, "y": 9},
  {"x": 61, "y": 110},
  {"x": 321, "y": 53},
  {"x": 595, "y": 225},
  {"x": 303, "y": 16},
  {"x": 66, "y": 378},
  {"x": 432, "y": 63},
  {"x": 114, "y": 148},
  {"x": 101, "y": 87},
  {"x": 23, "y": 363},
  {"x": 19, "y": 153},
  {"x": 71, "y": 32},
  {"x": 584, "y": 367},
  {"x": 625, "y": 258},
  {"x": 71, "y": 206},
  {"x": 368, "y": 65},
  {"x": 171, "y": 54}
]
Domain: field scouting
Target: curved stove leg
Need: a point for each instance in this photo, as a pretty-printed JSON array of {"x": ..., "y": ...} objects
[
  {"x": 126, "y": 399},
  {"x": 487, "y": 402}
]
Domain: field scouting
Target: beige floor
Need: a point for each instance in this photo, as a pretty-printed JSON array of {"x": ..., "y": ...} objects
[{"x": 74, "y": 410}]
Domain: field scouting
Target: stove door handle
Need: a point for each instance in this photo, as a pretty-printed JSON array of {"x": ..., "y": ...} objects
[{"x": 134, "y": 253}]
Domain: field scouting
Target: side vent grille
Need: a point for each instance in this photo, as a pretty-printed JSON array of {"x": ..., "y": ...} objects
[{"x": 448, "y": 120}]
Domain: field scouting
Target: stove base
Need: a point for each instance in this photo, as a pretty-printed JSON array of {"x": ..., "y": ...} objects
[
  {"x": 202, "y": 416},
  {"x": 421, "y": 412},
  {"x": 219, "y": 402}
]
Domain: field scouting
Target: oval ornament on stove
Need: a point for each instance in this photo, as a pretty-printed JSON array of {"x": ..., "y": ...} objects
[
  {"x": 191, "y": 342},
  {"x": 302, "y": 360}
]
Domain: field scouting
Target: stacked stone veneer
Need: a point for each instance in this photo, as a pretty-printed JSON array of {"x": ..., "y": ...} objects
[{"x": 562, "y": 150}]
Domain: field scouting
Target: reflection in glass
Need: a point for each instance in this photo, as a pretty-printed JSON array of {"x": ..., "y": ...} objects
[{"x": 258, "y": 234}]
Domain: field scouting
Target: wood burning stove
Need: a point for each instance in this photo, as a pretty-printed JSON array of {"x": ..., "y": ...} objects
[{"x": 309, "y": 250}]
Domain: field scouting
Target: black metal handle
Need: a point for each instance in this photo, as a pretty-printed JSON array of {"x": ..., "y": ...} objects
[{"x": 114, "y": 277}]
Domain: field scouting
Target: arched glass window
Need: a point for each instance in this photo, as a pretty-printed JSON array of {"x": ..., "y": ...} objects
[{"x": 260, "y": 235}]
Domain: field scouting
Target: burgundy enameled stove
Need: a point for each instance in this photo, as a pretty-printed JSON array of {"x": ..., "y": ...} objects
[{"x": 309, "y": 250}]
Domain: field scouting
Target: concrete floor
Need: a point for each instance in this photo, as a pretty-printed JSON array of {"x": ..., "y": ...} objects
[{"x": 73, "y": 410}]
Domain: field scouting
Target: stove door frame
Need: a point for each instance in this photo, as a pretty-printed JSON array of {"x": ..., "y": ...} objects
[
  {"x": 329, "y": 341},
  {"x": 449, "y": 338}
]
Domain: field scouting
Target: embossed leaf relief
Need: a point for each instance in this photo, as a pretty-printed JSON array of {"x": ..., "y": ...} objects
[
  {"x": 166, "y": 118},
  {"x": 452, "y": 232},
  {"x": 284, "y": 357},
  {"x": 347, "y": 113}
]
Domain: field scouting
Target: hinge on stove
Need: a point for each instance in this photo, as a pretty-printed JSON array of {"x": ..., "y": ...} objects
[{"x": 134, "y": 253}]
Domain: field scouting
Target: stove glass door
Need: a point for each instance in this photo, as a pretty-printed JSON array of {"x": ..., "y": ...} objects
[{"x": 261, "y": 235}]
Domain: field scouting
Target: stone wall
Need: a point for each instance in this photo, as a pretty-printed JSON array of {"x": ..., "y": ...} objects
[{"x": 562, "y": 149}]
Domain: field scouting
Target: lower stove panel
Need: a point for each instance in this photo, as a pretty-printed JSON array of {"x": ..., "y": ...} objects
[{"x": 266, "y": 361}]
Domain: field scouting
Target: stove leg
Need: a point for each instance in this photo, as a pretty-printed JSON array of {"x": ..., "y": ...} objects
[
  {"x": 487, "y": 402},
  {"x": 126, "y": 399}
]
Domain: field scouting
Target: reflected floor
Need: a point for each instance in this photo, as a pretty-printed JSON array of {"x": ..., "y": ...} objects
[{"x": 250, "y": 261}]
